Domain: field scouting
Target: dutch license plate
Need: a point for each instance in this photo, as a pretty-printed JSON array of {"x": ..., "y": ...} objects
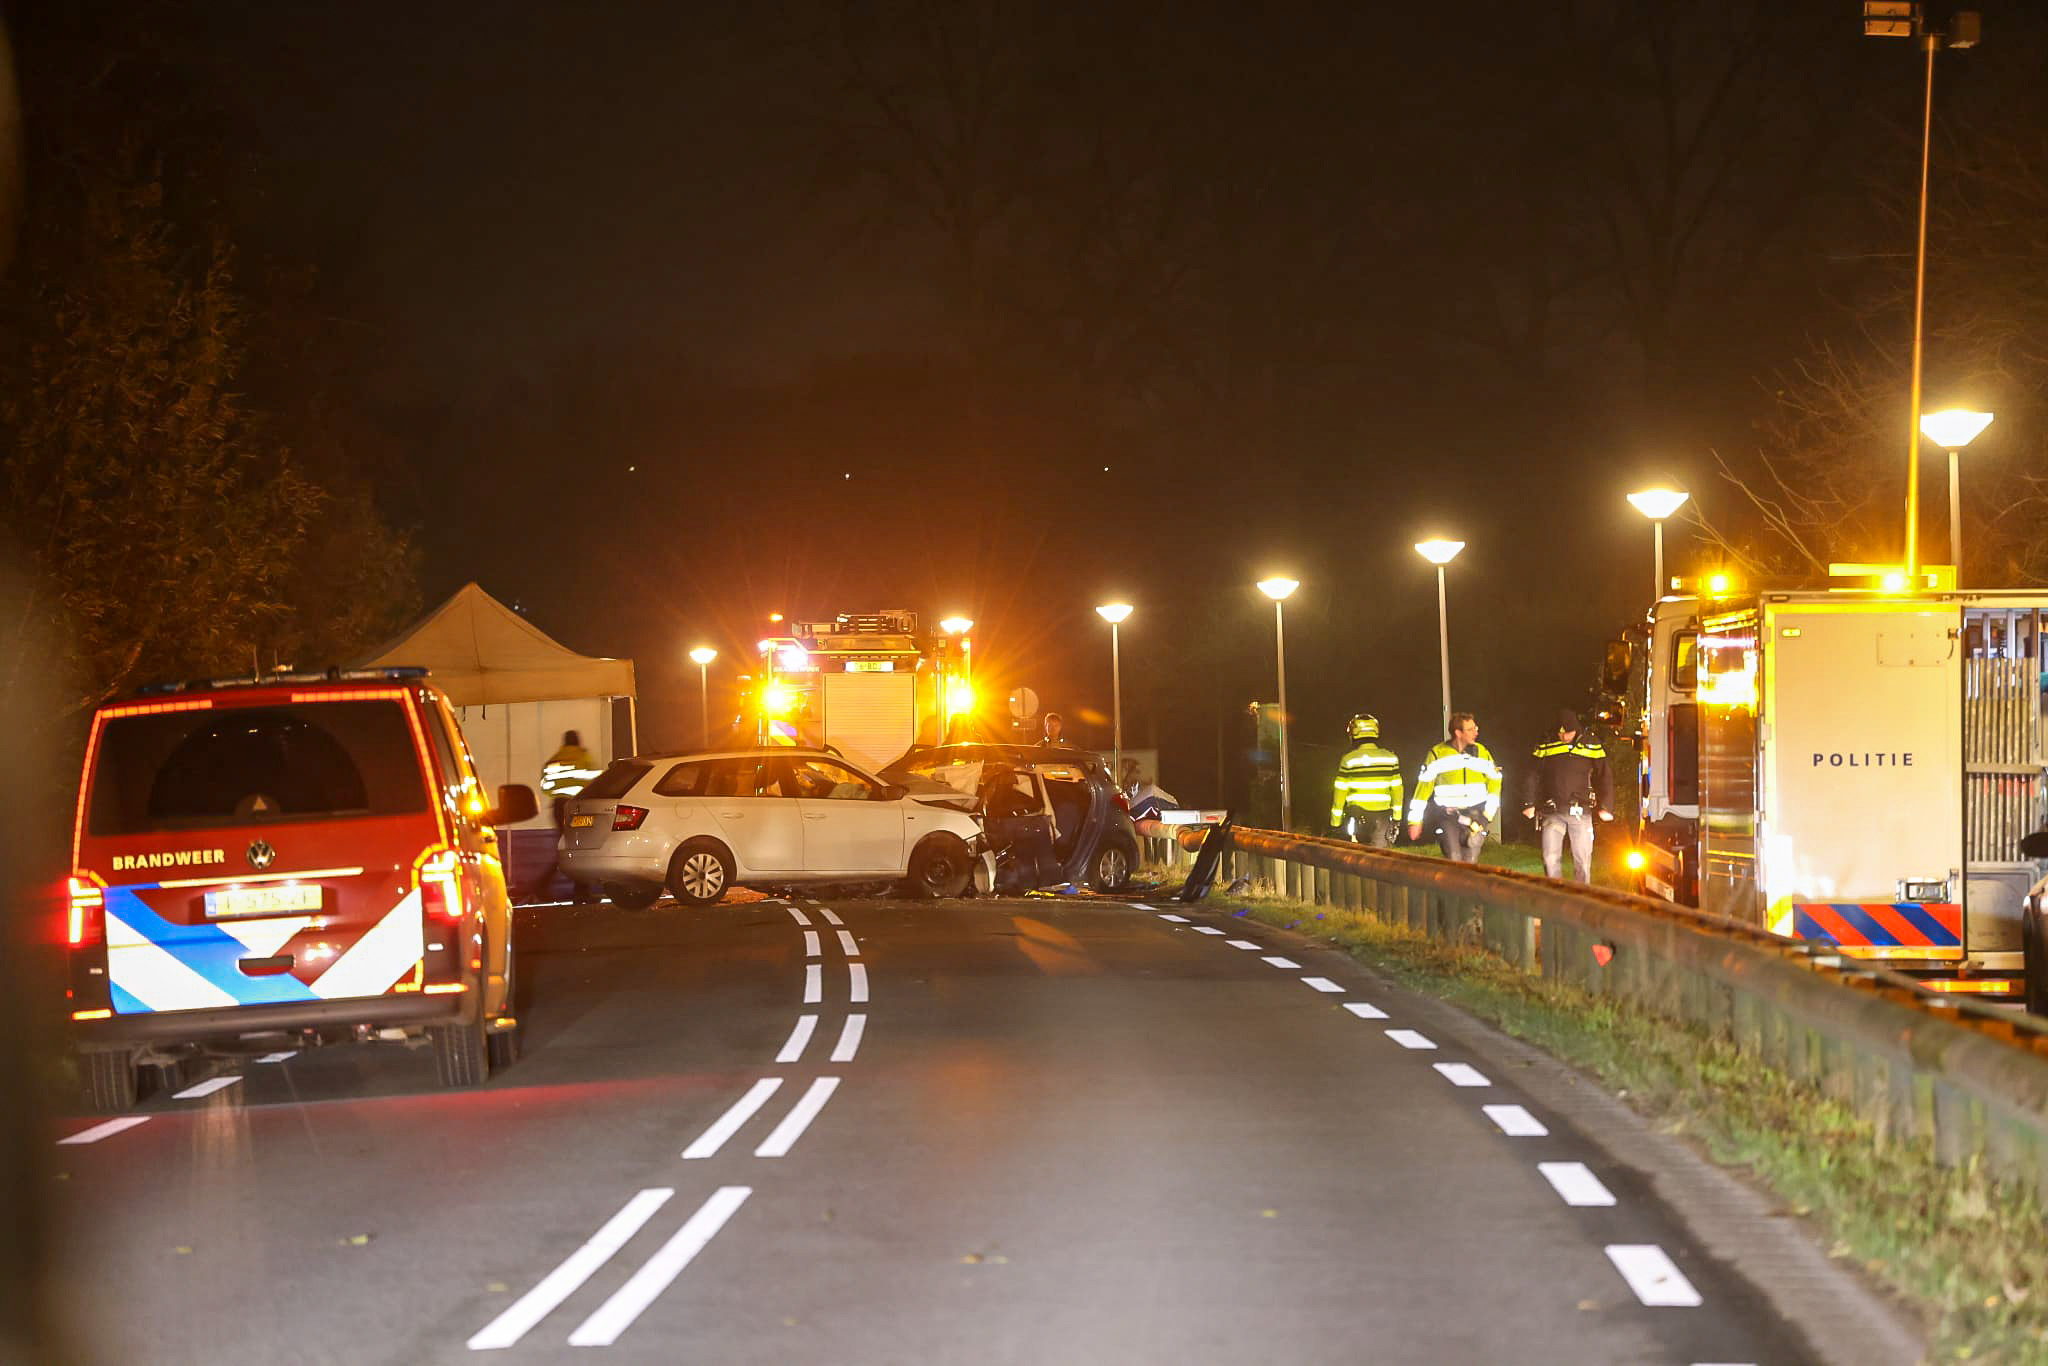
[
  {"x": 262, "y": 900},
  {"x": 582, "y": 822}
]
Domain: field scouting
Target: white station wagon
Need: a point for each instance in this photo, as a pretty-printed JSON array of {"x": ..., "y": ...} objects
[{"x": 700, "y": 823}]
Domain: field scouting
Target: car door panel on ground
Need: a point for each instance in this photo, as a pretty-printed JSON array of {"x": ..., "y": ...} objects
[{"x": 848, "y": 827}]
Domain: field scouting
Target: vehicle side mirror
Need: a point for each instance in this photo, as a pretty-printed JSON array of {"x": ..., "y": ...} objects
[
  {"x": 515, "y": 804},
  {"x": 894, "y": 792},
  {"x": 2035, "y": 845},
  {"x": 1614, "y": 668}
]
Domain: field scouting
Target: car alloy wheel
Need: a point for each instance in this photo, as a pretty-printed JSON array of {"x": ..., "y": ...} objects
[
  {"x": 1112, "y": 867},
  {"x": 702, "y": 876}
]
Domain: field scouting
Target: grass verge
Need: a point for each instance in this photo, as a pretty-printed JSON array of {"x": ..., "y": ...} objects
[{"x": 1969, "y": 1254}]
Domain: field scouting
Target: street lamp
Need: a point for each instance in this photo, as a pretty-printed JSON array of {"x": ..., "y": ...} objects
[
  {"x": 1277, "y": 589},
  {"x": 1113, "y": 613},
  {"x": 1908, "y": 19},
  {"x": 703, "y": 655},
  {"x": 1441, "y": 553},
  {"x": 1952, "y": 429},
  {"x": 1657, "y": 504}
]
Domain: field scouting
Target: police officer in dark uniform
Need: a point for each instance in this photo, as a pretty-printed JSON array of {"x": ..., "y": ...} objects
[{"x": 1564, "y": 790}]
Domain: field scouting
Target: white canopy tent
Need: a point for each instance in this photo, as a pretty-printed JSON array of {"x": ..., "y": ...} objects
[{"x": 515, "y": 689}]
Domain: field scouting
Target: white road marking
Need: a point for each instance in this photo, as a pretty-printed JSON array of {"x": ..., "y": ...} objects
[
  {"x": 857, "y": 974},
  {"x": 1515, "y": 1122},
  {"x": 713, "y": 1138},
  {"x": 106, "y": 1130},
  {"x": 559, "y": 1284},
  {"x": 1176, "y": 919},
  {"x": 799, "y": 1039},
  {"x": 810, "y": 943},
  {"x": 799, "y": 1118},
  {"x": 814, "y": 985},
  {"x": 1576, "y": 1183},
  {"x": 616, "y": 1314},
  {"x": 1277, "y": 961},
  {"x": 847, "y": 946},
  {"x": 1462, "y": 1074},
  {"x": 1243, "y": 944},
  {"x": 1651, "y": 1274},
  {"x": 1141, "y": 906},
  {"x": 1320, "y": 984},
  {"x": 205, "y": 1088},
  {"x": 1364, "y": 1011},
  {"x": 798, "y": 916},
  {"x": 279, "y": 1057},
  {"x": 1408, "y": 1038},
  {"x": 1207, "y": 929},
  {"x": 849, "y": 1038},
  {"x": 830, "y": 918}
]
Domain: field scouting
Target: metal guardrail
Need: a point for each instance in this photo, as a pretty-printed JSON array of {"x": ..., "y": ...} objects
[{"x": 1971, "y": 1079}]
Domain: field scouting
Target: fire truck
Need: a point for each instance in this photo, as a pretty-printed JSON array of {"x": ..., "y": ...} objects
[
  {"x": 868, "y": 685},
  {"x": 1855, "y": 764}
]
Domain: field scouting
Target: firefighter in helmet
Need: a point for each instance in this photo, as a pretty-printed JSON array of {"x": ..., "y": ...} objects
[{"x": 1365, "y": 805}]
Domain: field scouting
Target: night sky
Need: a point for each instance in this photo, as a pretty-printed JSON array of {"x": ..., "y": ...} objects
[{"x": 660, "y": 318}]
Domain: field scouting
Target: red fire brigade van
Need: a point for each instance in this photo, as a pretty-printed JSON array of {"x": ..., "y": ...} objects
[{"x": 303, "y": 854}]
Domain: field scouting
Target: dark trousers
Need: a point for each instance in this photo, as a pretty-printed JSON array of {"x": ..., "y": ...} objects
[
  {"x": 1461, "y": 842},
  {"x": 1375, "y": 828}
]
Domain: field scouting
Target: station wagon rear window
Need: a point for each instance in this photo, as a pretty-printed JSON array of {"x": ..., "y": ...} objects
[{"x": 191, "y": 770}]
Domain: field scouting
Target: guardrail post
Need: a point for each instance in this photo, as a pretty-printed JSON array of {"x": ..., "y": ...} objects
[{"x": 1322, "y": 886}]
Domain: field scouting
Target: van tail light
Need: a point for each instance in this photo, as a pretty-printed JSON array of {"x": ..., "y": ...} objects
[
  {"x": 441, "y": 914},
  {"x": 628, "y": 817},
  {"x": 441, "y": 887},
  {"x": 86, "y": 925}
]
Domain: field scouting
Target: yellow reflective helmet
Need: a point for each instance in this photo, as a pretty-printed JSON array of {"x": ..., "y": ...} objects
[{"x": 1365, "y": 727}]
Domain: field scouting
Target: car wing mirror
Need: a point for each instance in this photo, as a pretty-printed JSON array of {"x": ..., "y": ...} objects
[
  {"x": 515, "y": 804},
  {"x": 894, "y": 792}
]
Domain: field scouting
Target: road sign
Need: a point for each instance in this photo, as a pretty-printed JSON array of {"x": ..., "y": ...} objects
[{"x": 1023, "y": 704}]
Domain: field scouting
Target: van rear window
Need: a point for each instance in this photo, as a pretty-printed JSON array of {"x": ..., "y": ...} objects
[{"x": 188, "y": 770}]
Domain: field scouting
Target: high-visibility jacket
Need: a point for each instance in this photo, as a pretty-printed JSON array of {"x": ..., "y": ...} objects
[
  {"x": 1369, "y": 780},
  {"x": 1456, "y": 780},
  {"x": 1567, "y": 773},
  {"x": 567, "y": 772}
]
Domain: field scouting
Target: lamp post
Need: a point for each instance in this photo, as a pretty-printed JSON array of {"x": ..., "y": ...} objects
[
  {"x": 703, "y": 655},
  {"x": 1114, "y": 613},
  {"x": 1441, "y": 553},
  {"x": 1952, "y": 429},
  {"x": 1908, "y": 19},
  {"x": 1277, "y": 589},
  {"x": 1657, "y": 504},
  {"x": 956, "y": 628}
]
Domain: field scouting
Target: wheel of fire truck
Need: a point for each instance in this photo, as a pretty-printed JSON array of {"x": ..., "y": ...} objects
[
  {"x": 631, "y": 896},
  {"x": 110, "y": 1080},
  {"x": 1111, "y": 866},
  {"x": 700, "y": 872},
  {"x": 2034, "y": 939},
  {"x": 940, "y": 867}
]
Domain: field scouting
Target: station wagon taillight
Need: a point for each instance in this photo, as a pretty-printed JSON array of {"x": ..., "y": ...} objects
[
  {"x": 86, "y": 925},
  {"x": 628, "y": 817}
]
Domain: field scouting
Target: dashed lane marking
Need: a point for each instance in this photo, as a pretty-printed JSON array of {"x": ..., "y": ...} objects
[
  {"x": 1515, "y": 1122},
  {"x": 279, "y": 1057},
  {"x": 1141, "y": 906},
  {"x": 849, "y": 1038},
  {"x": 799, "y": 1039},
  {"x": 1462, "y": 1074},
  {"x": 814, "y": 984},
  {"x": 1277, "y": 961},
  {"x": 798, "y": 916},
  {"x": 1653, "y": 1276},
  {"x": 205, "y": 1088},
  {"x": 1320, "y": 984},
  {"x": 1176, "y": 919},
  {"x": 784, "y": 1137},
  {"x": 830, "y": 918},
  {"x": 1408, "y": 1038},
  {"x": 743, "y": 1109},
  {"x": 106, "y": 1130},
  {"x": 857, "y": 981},
  {"x": 1575, "y": 1182},
  {"x": 847, "y": 946},
  {"x": 1207, "y": 929},
  {"x": 1365, "y": 1011},
  {"x": 1243, "y": 944},
  {"x": 810, "y": 943},
  {"x": 616, "y": 1314},
  {"x": 559, "y": 1284}
]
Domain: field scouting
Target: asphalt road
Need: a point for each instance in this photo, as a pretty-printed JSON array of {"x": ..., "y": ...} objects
[{"x": 882, "y": 1131}]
